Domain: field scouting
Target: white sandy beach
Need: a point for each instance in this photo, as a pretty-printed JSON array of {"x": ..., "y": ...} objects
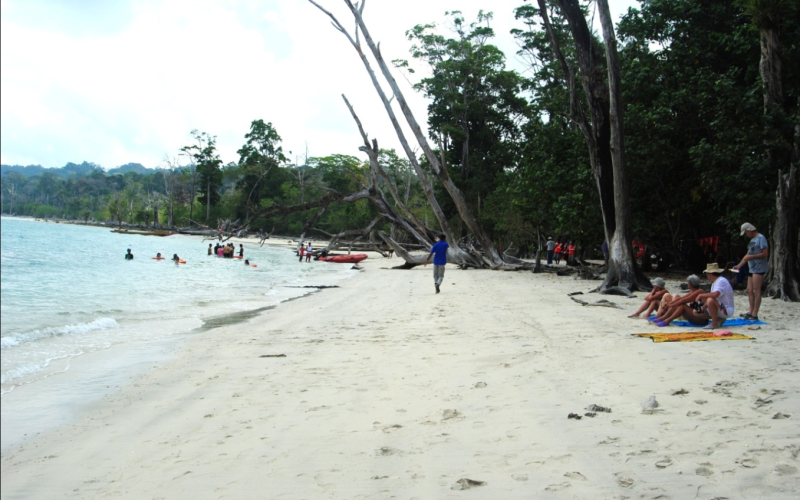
[{"x": 387, "y": 390}]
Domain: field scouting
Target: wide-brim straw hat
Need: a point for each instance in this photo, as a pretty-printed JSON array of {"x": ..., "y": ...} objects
[{"x": 715, "y": 269}]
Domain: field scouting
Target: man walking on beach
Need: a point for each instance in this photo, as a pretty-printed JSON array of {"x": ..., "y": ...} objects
[
  {"x": 439, "y": 252},
  {"x": 758, "y": 259}
]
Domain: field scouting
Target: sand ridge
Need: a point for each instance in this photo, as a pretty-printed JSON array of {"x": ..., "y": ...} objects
[{"x": 389, "y": 390}]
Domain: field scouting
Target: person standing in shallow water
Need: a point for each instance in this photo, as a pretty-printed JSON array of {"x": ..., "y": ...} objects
[
  {"x": 439, "y": 252},
  {"x": 129, "y": 255}
]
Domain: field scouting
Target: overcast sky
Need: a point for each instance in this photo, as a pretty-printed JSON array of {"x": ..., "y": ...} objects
[{"x": 121, "y": 81}]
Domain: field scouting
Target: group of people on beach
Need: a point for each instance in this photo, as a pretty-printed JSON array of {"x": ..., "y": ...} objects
[
  {"x": 226, "y": 251},
  {"x": 305, "y": 251},
  {"x": 698, "y": 306},
  {"x": 557, "y": 249}
]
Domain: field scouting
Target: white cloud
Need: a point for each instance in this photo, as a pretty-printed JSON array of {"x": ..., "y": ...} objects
[{"x": 135, "y": 93}]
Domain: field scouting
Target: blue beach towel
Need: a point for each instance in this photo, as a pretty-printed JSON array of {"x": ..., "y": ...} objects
[{"x": 726, "y": 324}]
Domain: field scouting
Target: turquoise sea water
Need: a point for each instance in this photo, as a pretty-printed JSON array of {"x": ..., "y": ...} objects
[{"x": 67, "y": 291}]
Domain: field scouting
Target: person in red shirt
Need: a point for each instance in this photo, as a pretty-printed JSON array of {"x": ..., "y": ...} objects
[
  {"x": 301, "y": 252},
  {"x": 571, "y": 252},
  {"x": 558, "y": 250}
]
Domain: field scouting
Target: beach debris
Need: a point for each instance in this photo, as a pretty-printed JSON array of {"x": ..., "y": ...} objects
[
  {"x": 272, "y": 356},
  {"x": 580, "y": 301},
  {"x": 575, "y": 416},
  {"x": 605, "y": 303},
  {"x": 763, "y": 402},
  {"x": 590, "y": 414},
  {"x": 387, "y": 451},
  {"x": 451, "y": 414},
  {"x": 680, "y": 392},
  {"x": 700, "y": 401},
  {"x": 466, "y": 483},
  {"x": 650, "y": 403},
  {"x": 781, "y": 416},
  {"x": 594, "y": 407},
  {"x": 754, "y": 328},
  {"x": 574, "y": 293},
  {"x": 480, "y": 385}
]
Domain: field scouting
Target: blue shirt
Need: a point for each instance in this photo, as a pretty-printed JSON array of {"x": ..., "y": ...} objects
[
  {"x": 755, "y": 247},
  {"x": 439, "y": 251}
]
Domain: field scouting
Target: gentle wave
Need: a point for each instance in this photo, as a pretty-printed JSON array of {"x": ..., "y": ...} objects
[
  {"x": 22, "y": 371},
  {"x": 14, "y": 338}
]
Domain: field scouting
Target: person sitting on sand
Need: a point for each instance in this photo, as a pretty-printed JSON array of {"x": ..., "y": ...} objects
[
  {"x": 129, "y": 255},
  {"x": 717, "y": 305},
  {"x": 652, "y": 301},
  {"x": 670, "y": 303}
]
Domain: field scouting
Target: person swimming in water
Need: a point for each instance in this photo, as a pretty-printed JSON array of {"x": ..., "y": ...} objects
[
  {"x": 175, "y": 258},
  {"x": 129, "y": 255}
]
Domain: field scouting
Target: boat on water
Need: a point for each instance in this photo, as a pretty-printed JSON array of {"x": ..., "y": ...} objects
[{"x": 155, "y": 232}]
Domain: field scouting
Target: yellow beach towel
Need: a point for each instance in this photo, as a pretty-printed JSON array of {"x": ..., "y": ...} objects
[{"x": 690, "y": 336}]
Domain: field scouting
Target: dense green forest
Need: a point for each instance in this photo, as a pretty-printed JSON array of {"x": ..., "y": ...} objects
[{"x": 702, "y": 154}]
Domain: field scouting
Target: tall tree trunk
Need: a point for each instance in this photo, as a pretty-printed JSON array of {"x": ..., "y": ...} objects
[
  {"x": 604, "y": 138},
  {"x": 782, "y": 280},
  {"x": 621, "y": 265}
]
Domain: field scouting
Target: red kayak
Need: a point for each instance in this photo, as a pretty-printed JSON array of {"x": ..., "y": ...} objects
[{"x": 347, "y": 259}]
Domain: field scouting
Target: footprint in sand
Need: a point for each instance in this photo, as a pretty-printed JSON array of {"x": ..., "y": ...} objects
[
  {"x": 624, "y": 480},
  {"x": 704, "y": 471},
  {"x": 750, "y": 463},
  {"x": 575, "y": 475},
  {"x": 558, "y": 487},
  {"x": 784, "y": 470},
  {"x": 664, "y": 463},
  {"x": 387, "y": 451},
  {"x": 519, "y": 477}
]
